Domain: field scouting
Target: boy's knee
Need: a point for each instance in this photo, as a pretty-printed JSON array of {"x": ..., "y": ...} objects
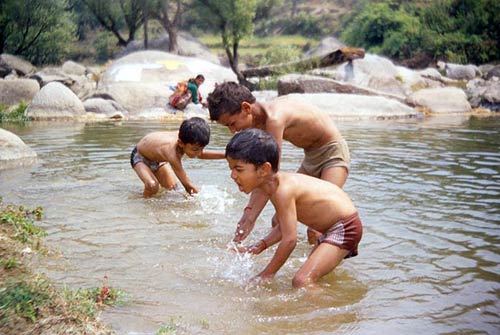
[
  {"x": 152, "y": 187},
  {"x": 301, "y": 280}
]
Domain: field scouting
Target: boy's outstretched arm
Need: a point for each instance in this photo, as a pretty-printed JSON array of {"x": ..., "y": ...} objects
[
  {"x": 212, "y": 154},
  {"x": 183, "y": 178},
  {"x": 251, "y": 212},
  {"x": 288, "y": 230}
]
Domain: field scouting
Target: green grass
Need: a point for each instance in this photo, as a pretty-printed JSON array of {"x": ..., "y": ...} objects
[
  {"x": 252, "y": 49},
  {"x": 22, "y": 220},
  {"x": 15, "y": 115},
  {"x": 23, "y": 298}
]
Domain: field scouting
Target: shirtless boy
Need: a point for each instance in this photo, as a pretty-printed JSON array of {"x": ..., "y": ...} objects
[
  {"x": 150, "y": 157},
  {"x": 326, "y": 152},
  {"x": 253, "y": 157}
]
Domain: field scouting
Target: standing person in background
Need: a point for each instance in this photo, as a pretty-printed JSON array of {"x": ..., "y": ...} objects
[{"x": 187, "y": 91}]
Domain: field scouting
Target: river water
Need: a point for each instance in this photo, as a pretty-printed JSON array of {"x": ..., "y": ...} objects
[{"x": 428, "y": 192}]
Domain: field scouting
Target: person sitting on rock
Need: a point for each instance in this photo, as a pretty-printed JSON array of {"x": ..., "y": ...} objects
[{"x": 186, "y": 92}]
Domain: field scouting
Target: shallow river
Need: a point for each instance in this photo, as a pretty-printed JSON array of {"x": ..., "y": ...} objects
[{"x": 428, "y": 192}]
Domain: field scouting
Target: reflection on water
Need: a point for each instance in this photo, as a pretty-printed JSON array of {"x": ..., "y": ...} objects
[{"x": 427, "y": 191}]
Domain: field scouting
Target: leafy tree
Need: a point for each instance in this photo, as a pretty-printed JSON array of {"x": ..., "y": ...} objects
[
  {"x": 457, "y": 30},
  {"x": 116, "y": 15},
  {"x": 41, "y": 31},
  {"x": 169, "y": 14},
  {"x": 234, "y": 20}
]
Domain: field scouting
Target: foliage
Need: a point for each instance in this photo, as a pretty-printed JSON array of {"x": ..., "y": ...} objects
[
  {"x": 17, "y": 114},
  {"x": 234, "y": 21},
  {"x": 117, "y": 16},
  {"x": 104, "y": 49},
  {"x": 23, "y": 298},
  {"x": 89, "y": 300},
  {"x": 8, "y": 263},
  {"x": 280, "y": 54},
  {"x": 22, "y": 220},
  {"x": 459, "y": 31},
  {"x": 42, "y": 31}
]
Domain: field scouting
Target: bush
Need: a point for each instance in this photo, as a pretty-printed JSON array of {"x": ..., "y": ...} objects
[
  {"x": 104, "y": 46},
  {"x": 16, "y": 114},
  {"x": 458, "y": 31},
  {"x": 280, "y": 54}
]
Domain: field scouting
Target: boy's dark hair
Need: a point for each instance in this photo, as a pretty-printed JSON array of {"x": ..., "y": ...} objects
[
  {"x": 195, "y": 131},
  {"x": 254, "y": 146},
  {"x": 227, "y": 98}
]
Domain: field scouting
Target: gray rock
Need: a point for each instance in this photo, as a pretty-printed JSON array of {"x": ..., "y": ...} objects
[
  {"x": 108, "y": 108},
  {"x": 326, "y": 45},
  {"x": 140, "y": 81},
  {"x": 353, "y": 106},
  {"x": 484, "y": 93},
  {"x": 71, "y": 67},
  {"x": 459, "y": 71},
  {"x": 13, "y": 151},
  {"x": 297, "y": 83},
  {"x": 445, "y": 100},
  {"x": 188, "y": 45},
  {"x": 9, "y": 63},
  {"x": 14, "y": 91},
  {"x": 493, "y": 72},
  {"x": 55, "y": 102}
]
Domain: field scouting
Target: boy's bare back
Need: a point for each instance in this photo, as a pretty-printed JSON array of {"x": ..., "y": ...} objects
[
  {"x": 302, "y": 124},
  {"x": 318, "y": 204},
  {"x": 159, "y": 146}
]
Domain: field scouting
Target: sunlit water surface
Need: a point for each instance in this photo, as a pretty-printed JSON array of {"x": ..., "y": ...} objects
[{"x": 428, "y": 192}]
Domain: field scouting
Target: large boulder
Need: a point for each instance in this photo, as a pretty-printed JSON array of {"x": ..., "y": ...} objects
[
  {"x": 327, "y": 45},
  {"x": 14, "y": 91},
  {"x": 140, "y": 82},
  {"x": 374, "y": 72},
  {"x": 71, "y": 67},
  {"x": 13, "y": 151},
  {"x": 104, "y": 108},
  {"x": 55, "y": 102},
  {"x": 299, "y": 83},
  {"x": 485, "y": 93},
  {"x": 9, "y": 63},
  {"x": 443, "y": 100},
  {"x": 459, "y": 71},
  {"x": 188, "y": 46},
  {"x": 353, "y": 106}
]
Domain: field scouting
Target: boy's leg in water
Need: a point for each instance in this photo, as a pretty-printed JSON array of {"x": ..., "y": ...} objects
[
  {"x": 151, "y": 184},
  {"x": 166, "y": 177},
  {"x": 322, "y": 260}
]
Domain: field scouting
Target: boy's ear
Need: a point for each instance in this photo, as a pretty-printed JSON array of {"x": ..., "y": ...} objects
[
  {"x": 265, "y": 169},
  {"x": 246, "y": 107}
]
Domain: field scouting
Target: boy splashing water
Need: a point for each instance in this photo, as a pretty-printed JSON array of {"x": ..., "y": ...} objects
[
  {"x": 150, "y": 157},
  {"x": 253, "y": 157}
]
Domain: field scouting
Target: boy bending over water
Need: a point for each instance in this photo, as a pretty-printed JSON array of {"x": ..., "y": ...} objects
[
  {"x": 150, "y": 157},
  {"x": 305, "y": 126},
  {"x": 253, "y": 157}
]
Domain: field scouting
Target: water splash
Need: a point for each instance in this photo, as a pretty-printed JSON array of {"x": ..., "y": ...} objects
[
  {"x": 213, "y": 200},
  {"x": 233, "y": 266}
]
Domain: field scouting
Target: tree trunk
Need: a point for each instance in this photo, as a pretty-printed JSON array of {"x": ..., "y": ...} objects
[
  {"x": 173, "y": 46},
  {"x": 234, "y": 62},
  {"x": 335, "y": 57},
  {"x": 145, "y": 18}
]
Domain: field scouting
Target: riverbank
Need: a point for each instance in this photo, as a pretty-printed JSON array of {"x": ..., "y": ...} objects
[{"x": 29, "y": 302}]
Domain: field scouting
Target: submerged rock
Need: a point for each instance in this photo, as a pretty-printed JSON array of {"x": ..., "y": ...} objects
[{"x": 13, "y": 151}]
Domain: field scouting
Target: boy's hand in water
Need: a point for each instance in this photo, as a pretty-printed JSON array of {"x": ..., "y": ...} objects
[
  {"x": 244, "y": 227},
  {"x": 262, "y": 279},
  {"x": 253, "y": 249}
]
